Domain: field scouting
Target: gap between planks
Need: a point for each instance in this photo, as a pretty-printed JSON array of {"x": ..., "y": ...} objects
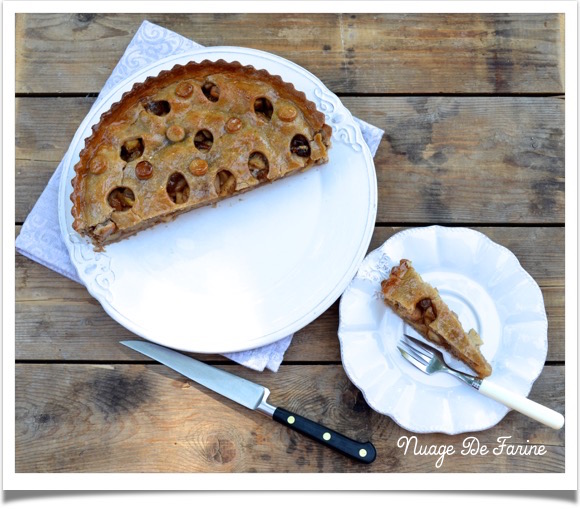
[
  {"x": 211, "y": 362},
  {"x": 338, "y": 94}
]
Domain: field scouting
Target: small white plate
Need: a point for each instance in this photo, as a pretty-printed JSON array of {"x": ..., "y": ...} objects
[
  {"x": 252, "y": 270},
  {"x": 486, "y": 286}
]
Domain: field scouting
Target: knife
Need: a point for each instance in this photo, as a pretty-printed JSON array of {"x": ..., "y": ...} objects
[{"x": 252, "y": 396}]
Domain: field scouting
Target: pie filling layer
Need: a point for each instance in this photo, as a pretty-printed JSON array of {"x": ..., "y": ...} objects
[
  {"x": 421, "y": 306},
  {"x": 187, "y": 138}
]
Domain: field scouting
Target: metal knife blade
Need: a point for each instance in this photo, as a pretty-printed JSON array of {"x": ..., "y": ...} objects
[
  {"x": 240, "y": 390},
  {"x": 252, "y": 396}
]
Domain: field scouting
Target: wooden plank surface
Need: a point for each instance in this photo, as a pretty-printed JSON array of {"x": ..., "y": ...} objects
[
  {"x": 350, "y": 53},
  {"x": 58, "y": 319},
  {"x": 135, "y": 418},
  {"x": 472, "y": 106},
  {"x": 510, "y": 149}
]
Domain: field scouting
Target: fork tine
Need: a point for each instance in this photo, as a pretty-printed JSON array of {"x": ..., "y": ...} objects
[
  {"x": 415, "y": 356},
  {"x": 418, "y": 364},
  {"x": 420, "y": 345},
  {"x": 426, "y": 356}
]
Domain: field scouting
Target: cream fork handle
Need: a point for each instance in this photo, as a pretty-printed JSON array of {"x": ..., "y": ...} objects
[{"x": 522, "y": 404}]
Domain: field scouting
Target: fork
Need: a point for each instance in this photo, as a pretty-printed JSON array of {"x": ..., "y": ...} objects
[{"x": 429, "y": 361}]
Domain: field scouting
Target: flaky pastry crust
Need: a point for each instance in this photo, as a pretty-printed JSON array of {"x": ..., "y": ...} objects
[
  {"x": 189, "y": 137},
  {"x": 421, "y": 306}
]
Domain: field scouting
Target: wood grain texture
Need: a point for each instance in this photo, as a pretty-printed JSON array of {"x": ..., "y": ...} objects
[
  {"x": 510, "y": 149},
  {"x": 472, "y": 106},
  {"x": 131, "y": 418},
  {"x": 351, "y": 53},
  {"x": 58, "y": 319}
]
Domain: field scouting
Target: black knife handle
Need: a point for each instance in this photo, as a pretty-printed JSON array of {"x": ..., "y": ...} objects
[{"x": 364, "y": 452}]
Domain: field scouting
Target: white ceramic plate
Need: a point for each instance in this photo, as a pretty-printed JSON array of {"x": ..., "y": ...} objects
[
  {"x": 486, "y": 286},
  {"x": 252, "y": 270}
]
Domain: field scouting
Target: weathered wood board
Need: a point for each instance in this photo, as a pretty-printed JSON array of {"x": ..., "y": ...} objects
[
  {"x": 511, "y": 150},
  {"x": 351, "y": 53},
  {"x": 58, "y": 319},
  {"x": 147, "y": 418},
  {"x": 472, "y": 107}
]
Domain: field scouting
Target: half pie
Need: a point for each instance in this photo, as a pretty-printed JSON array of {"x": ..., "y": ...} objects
[
  {"x": 190, "y": 137},
  {"x": 420, "y": 305}
]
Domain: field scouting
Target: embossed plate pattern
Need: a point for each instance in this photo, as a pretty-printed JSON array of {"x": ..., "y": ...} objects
[
  {"x": 486, "y": 286},
  {"x": 252, "y": 270}
]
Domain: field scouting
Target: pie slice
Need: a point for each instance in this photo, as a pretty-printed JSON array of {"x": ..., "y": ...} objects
[
  {"x": 420, "y": 305},
  {"x": 190, "y": 137}
]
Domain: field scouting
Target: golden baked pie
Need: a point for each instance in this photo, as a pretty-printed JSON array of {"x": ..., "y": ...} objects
[
  {"x": 421, "y": 306},
  {"x": 190, "y": 137}
]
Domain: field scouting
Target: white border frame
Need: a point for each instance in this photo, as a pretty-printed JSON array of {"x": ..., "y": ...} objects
[{"x": 342, "y": 482}]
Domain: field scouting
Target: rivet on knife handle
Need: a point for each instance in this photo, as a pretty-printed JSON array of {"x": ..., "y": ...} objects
[{"x": 364, "y": 452}]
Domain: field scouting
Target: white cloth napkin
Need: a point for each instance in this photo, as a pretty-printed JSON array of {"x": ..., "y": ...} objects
[{"x": 40, "y": 238}]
